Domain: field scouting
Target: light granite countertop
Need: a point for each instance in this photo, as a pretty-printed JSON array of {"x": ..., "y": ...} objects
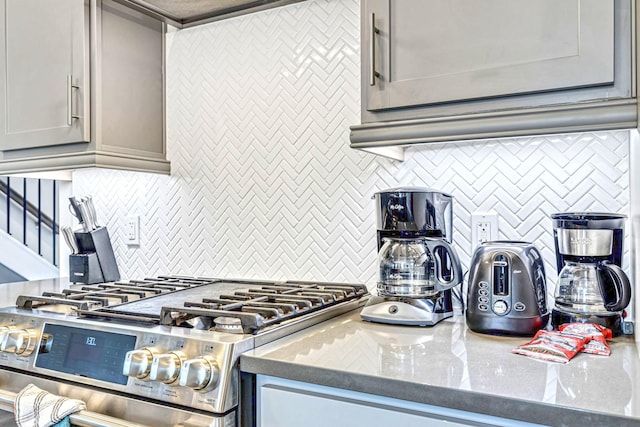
[
  {"x": 448, "y": 365},
  {"x": 10, "y": 291}
]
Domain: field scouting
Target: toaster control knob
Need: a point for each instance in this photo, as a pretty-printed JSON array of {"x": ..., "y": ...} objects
[
  {"x": 199, "y": 374},
  {"x": 166, "y": 367},
  {"x": 500, "y": 307},
  {"x": 19, "y": 341},
  {"x": 137, "y": 363}
]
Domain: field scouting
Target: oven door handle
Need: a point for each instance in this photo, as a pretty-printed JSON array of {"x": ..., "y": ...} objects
[{"x": 82, "y": 418}]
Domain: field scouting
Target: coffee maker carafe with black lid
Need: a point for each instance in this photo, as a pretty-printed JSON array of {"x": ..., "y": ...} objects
[{"x": 591, "y": 286}]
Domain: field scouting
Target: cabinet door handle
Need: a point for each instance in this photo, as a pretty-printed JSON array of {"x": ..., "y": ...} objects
[
  {"x": 373, "y": 31},
  {"x": 70, "y": 87}
]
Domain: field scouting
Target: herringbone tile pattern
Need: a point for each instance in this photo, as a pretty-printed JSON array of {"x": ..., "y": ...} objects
[{"x": 264, "y": 184}]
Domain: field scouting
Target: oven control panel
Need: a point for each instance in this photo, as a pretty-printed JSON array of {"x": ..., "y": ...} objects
[
  {"x": 186, "y": 367},
  {"x": 84, "y": 352}
]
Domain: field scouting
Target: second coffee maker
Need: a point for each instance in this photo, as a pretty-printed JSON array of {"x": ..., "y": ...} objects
[
  {"x": 592, "y": 287},
  {"x": 418, "y": 267}
]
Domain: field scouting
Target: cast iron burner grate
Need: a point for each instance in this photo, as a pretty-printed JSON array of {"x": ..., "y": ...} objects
[
  {"x": 90, "y": 297},
  {"x": 253, "y": 310},
  {"x": 224, "y": 305}
]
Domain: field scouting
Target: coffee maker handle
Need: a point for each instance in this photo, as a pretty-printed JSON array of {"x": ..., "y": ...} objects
[
  {"x": 620, "y": 282},
  {"x": 456, "y": 277}
]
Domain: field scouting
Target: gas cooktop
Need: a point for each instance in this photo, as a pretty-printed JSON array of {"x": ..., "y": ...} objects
[{"x": 224, "y": 305}]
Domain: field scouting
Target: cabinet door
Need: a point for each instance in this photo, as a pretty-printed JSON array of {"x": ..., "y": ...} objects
[
  {"x": 44, "y": 78},
  {"x": 452, "y": 50},
  {"x": 295, "y": 404}
]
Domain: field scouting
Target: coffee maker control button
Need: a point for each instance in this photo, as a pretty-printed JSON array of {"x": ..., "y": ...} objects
[{"x": 500, "y": 307}]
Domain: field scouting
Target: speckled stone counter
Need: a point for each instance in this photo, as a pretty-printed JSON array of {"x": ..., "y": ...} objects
[
  {"x": 10, "y": 291},
  {"x": 450, "y": 366}
]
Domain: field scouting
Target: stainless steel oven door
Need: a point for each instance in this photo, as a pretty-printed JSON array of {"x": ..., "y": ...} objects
[{"x": 107, "y": 409}]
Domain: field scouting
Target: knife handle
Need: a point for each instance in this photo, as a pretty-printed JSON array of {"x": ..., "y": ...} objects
[
  {"x": 77, "y": 212},
  {"x": 87, "y": 225},
  {"x": 88, "y": 201}
]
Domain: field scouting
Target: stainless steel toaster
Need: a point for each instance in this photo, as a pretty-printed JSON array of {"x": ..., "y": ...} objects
[{"x": 507, "y": 292}]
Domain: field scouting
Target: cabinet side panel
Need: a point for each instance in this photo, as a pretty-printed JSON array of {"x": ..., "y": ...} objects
[{"x": 132, "y": 70}]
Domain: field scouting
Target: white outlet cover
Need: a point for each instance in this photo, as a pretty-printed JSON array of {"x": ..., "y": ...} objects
[
  {"x": 132, "y": 230},
  {"x": 477, "y": 220}
]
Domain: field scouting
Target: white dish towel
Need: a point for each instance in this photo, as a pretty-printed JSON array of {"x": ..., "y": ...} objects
[{"x": 35, "y": 407}]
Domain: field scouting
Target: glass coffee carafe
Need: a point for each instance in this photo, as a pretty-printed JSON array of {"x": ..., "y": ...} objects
[
  {"x": 417, "y": 267},
  {"x": 587, "y": 289}
]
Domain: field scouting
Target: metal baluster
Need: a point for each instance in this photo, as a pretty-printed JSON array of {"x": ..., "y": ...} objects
[
  {"x": 8, "y": 205},
  {"x": 54, "y": 227},
  {"x": 24, "y": 211},
  {"x": 40, "y": 217}
]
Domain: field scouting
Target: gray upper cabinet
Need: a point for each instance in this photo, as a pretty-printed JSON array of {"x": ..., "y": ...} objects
[
  {"x": 453, "y": 69},
  {"x": 82, "y": 85},
  {"x": 45, "y": 67}
]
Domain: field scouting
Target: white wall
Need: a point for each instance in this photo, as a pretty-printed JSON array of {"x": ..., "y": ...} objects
[{"x": 264, "y": 184}]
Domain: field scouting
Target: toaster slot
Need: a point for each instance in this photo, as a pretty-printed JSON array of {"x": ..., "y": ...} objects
[{"x": 501, "y": 275}]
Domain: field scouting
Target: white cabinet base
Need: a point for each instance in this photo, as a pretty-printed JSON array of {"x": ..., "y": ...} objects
[{"x": 286, "y": 403}]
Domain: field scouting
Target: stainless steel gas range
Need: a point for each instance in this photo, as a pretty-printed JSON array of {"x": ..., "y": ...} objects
[{"x": 158, "y": 352}]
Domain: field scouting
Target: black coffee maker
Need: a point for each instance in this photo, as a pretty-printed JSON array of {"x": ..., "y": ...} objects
[
  {"x": 591, "y": 286},
  {"x": 418, "y": 267}
]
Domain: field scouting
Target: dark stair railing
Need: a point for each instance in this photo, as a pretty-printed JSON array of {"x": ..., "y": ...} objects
[{"x": 33, "y": 210}]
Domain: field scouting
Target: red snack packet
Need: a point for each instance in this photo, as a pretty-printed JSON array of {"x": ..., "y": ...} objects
[
  {"x": 587, "y": 329},
  {"x": 597, "y": 345},
  {"x": 554, "y": 346},
  {"x": 597, "y": 336}
]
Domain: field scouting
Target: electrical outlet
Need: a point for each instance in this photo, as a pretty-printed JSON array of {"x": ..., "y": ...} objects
[
  {"x": 132, "y": 237},
  {"x": 484, "y": 227}
]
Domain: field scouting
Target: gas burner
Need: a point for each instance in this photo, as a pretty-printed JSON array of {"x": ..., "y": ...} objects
[{"x": 232, "y": 325}]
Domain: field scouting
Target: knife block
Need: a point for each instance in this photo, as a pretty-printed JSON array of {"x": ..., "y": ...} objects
[
  {"x": 96, "y": 262},
  {"x": 85, "y": 268}
]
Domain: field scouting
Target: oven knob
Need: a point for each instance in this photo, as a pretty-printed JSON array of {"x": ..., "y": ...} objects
[
  {"x": 200, "y": 374},
  {"x": 19, "y": 341},
  {"x": 4, "y": 332},
  {"x": 137, "y": 363},
  {"x": 166, "y": 367}
]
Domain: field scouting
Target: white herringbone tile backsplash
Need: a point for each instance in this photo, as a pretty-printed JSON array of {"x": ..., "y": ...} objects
[{"x": 264, "y": 184}]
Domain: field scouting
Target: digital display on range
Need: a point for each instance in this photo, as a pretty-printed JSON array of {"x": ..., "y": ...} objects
[
  {"x": 93, "y": 354},
  {"x": 83, "y": 349}
]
